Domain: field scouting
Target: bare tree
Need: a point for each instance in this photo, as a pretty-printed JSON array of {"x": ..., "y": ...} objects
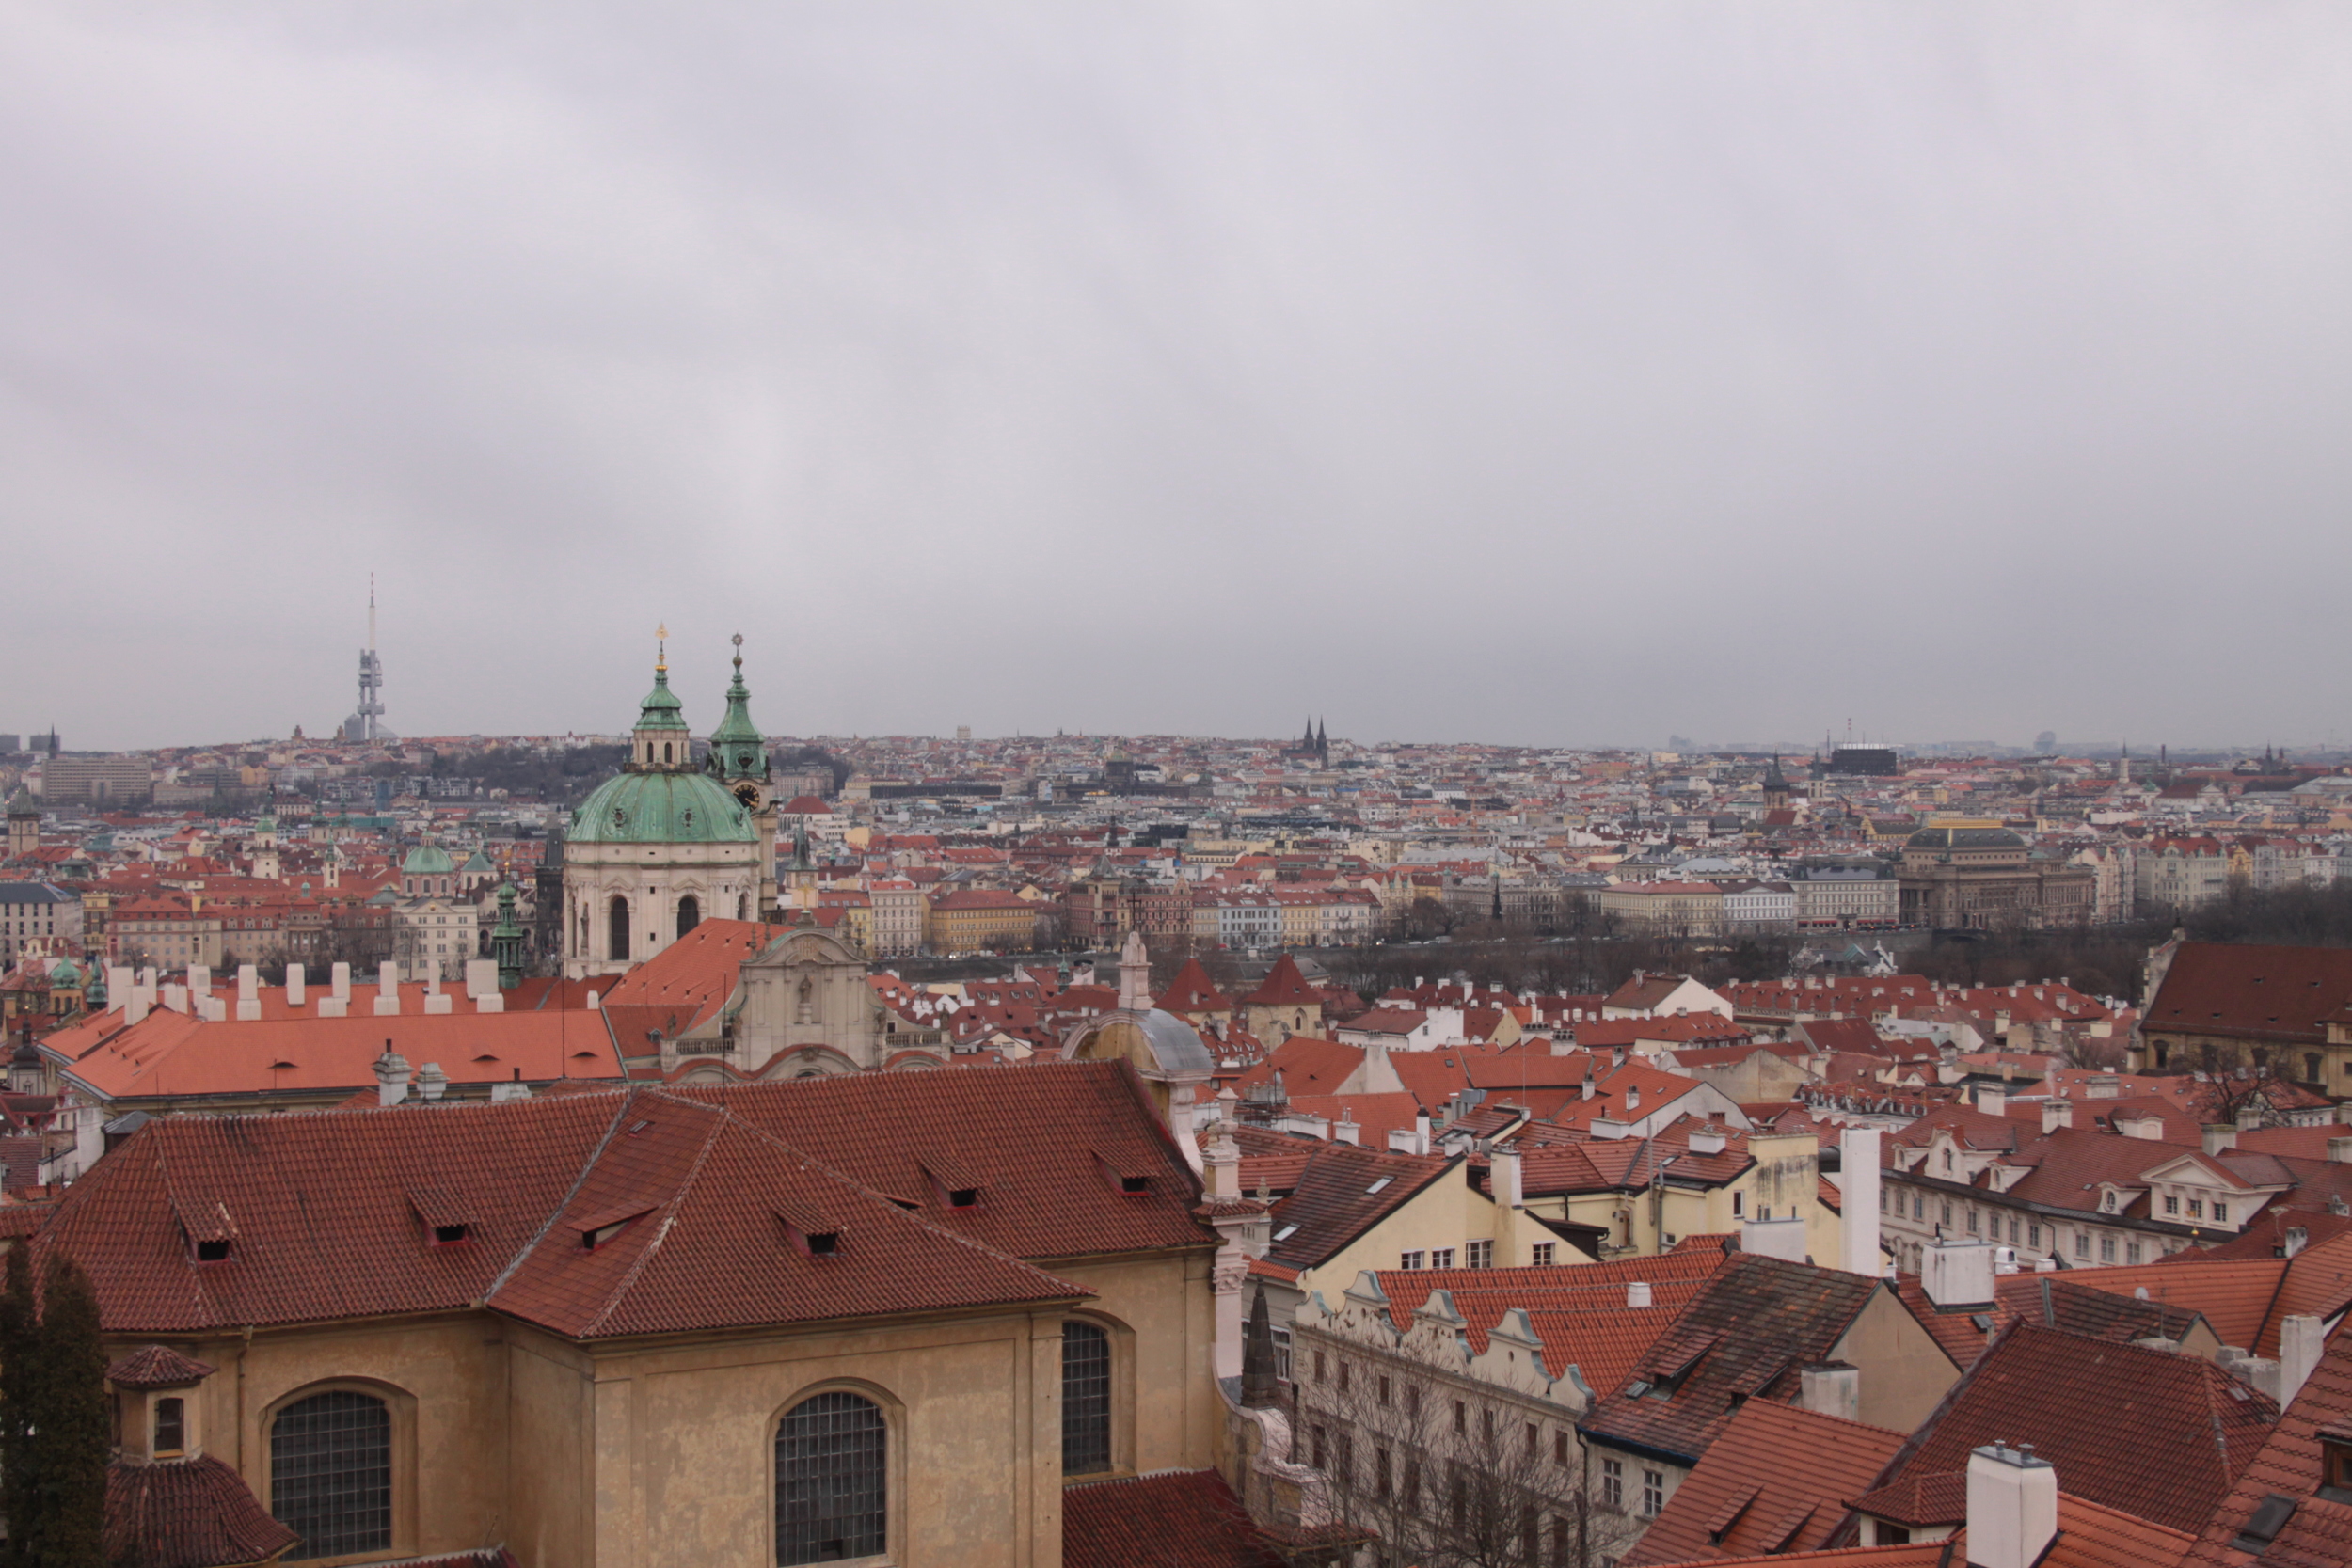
[{"x": 1451, "y": 1472}]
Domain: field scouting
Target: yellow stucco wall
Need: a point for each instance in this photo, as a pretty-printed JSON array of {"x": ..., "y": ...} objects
[{"x": 1904, "y": 1371}]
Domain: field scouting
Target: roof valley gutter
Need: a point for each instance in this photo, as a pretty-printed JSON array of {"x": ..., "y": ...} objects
[{"x": 579, "y": 1178}]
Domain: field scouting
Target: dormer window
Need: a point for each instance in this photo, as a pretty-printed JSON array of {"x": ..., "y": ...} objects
[
  {"x": 450, "y": 1235},
  {"x": 963, "y": 1197},
  {"x": 1947, "y": 1158},
  {"x": 2222, "y": 1214},
  {"x": 823, "y": 1243},
  {"x": 601, "y": 1234},
  {"x": 1135, "y": 1186},
  {"x": 212, "y": 1250}
]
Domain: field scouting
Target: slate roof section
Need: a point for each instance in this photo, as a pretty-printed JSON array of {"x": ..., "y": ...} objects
[
  {"x": 1747, "y": 1496},
  {"x": 2318, "y": 1534},
  {"x": 1744, "y": 1336},
  {"x": 2158, "y": 1436},
  {"x": 318, "y": 1214},
  {"x": 189, "y": 1514},
  {"x": 1180, "y": 1519}
]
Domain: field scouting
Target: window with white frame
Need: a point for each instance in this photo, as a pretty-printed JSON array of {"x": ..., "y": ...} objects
[
  {"x": 1545, "y": 1254},
  {"x": 1478, "y": 1255}
]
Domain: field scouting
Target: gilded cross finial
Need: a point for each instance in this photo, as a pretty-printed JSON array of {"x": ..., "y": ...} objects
[{"x": 661, "y": 648}]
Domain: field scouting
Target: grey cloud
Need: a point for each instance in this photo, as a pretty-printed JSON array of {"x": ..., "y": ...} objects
[{"x": 1527, "y": 372}]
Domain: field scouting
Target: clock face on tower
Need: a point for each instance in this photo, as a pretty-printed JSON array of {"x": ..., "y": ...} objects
[{"x": 748, "y": 793}]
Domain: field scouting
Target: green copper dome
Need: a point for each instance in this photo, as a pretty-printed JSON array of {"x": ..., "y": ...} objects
[
  {"x": 427, "y": 860},
  {"x": 661, "y": 710},
  {"x": 661, "y": 808}
]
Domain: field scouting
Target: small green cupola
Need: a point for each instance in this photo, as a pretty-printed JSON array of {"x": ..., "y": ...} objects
[
  {"x": 737, "y": 749},
  {"x": 660, "y": 740}
]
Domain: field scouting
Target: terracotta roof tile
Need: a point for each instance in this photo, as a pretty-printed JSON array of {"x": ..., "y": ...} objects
[
  {"x": 1746, "y": 1497},
  {"x": 2318, "y": 1534},
  {"x": 2158, "y": 1435},
  {"x": 158, "y": 1366},
  {"x": 190, "y": 1513},
  {"x": 1184, "y": 1519}
]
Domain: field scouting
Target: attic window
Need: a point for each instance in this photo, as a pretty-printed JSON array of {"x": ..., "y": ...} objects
[
  {"x": 963, "y": 1197},
  {"x": 1286, "y": 1234},
  {"x": 214, "y": 1250},
  {"x": 449, "y": 1235},
  {"x": 1378, "y": 1185},
  {"x": 2335, "y": 1467},
  {"x": 824, "y": 1244},
  {"x": 2270, "y": 1517},
  {"x": 1134, "y": 1186},
  {"x": 601, "y": 1234}
]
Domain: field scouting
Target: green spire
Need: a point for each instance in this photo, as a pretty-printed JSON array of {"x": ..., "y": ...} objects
[
  {"x": 661, "y": 710},
  {"x": 506, "y": 940},
  {"x": 737, "y": 749}
]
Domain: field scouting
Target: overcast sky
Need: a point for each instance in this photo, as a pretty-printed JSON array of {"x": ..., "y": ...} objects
[{"x": 1556, "y": 374}]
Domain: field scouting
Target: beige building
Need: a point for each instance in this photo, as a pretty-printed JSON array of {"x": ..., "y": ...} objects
[
  {"x": 875, "y": 1318},
  {"x": 1665, "y": 908}
]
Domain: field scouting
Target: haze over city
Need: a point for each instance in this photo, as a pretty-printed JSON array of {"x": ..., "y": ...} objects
[{"x": 1526, "y": 375}]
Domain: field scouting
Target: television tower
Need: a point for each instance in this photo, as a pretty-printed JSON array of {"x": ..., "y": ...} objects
[{"x": 371, "y": 675}]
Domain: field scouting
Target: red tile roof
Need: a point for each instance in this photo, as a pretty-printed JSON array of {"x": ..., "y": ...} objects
[
  {"x": 187, "y": 1513},
  {"x": 1184, "y": 1519},
  {"x": 2246, "y": 988},
  {"x": 158, "y": 1366},
  {"x": 2288, "y": 1465},
  {"x": 1747, "y": 1496},
  {"x": 1191, "y": 992},
  {"x": 1284, "y": 986},
  {"x": 2158, "y": 1435},
  {"x": 325, "y": 1213},
  {"x": 1578, "y": 1312}
]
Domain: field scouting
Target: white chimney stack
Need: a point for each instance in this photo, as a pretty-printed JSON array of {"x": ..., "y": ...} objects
[
  {"x": 2012, "y": 1507},
  {"x": 392, "y": 1077},
  {"x": 1993, "y": 1099},
  {"x": 1958, "y": 1273},
  {"x": 339, "y": 982},
  {"x": 296, "y": 986},
  {"x": 1637, "y": 1294},
  {"x": 2301, "y": 1340},
  {"x": 2219, "y": 1137},
  {"x": 1858, "y": 1196},
  {"x": 387, "y": 990},
  {"x": 2057, "y": 1113},
  {"x": 430, "y": 1081},
  {"x": 249, "y": 993},
  {"x": 1830, "y": 1389},
  {"x": 1503, "y": 1178}
]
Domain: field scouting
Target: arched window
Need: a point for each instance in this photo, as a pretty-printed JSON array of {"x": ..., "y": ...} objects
[
  {"x": 619, "y": 933},
  {"x": 1086, "y": 1399},
  {"x": 689, "y": 913},
  {"x": 830, "y": 1493},
  {"x": 330, "y": 1473},
  {"x": 665, "y": 751}
]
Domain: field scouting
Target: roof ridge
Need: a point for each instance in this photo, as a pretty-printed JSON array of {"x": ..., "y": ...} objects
[
  {"x": 685, "y": 1183},
  {"x": 809, "y": 1162},
  {"x": 579, "y": 1178}
]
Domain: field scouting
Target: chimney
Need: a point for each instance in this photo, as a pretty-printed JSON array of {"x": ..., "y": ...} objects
[
  {"x": 2248, "y": 1120},
  {"x": 2295, "y": 1239},
  {"x": 297, "y": 985},
  {"x": 1588, "y": 1080},
  {"x": 339, "y": 982},
  {"x": 200, "y": 979},
  {"x": 392, "y": 1077},
  {"x": 1993, "y": 1099},
  {"x": 2301, "y": 1340},
  {"x": 2340, "y": 1151},
  {"x": 1782, "y": 1239},
  {"x": 387, "y": 988},
  {"x": 249, "y": 993},
  {"x": 1858, "y": 1195},
  {"x": 2103, "y": 1087},
  {"x": 1345, "y": 1130},
  {"x": 1957, "y": 1274},
  {"x": 2057, "y": 1113},
  {"x": 2012, "y": 1507},
  {"x": 1709, "y": 1138},
  {"x": 1637, "y": 1294},
  {"x": 1831, "y": 1389},
  {"x": 2149, "y": 1127},
  {"x": 1503, "y": 1179},
  {"x": 2221, "y": 1136},
  {"x": 430, "y": 1081}
]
